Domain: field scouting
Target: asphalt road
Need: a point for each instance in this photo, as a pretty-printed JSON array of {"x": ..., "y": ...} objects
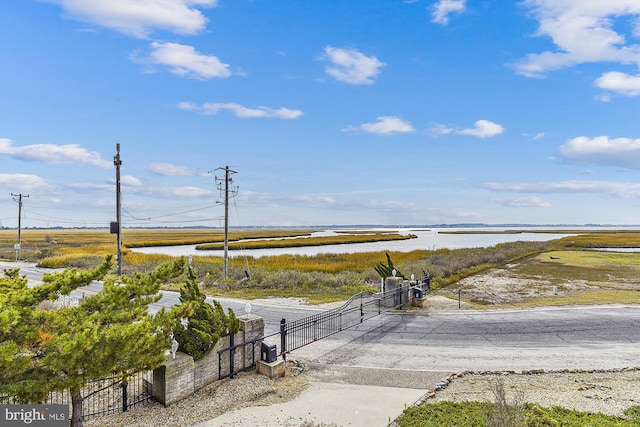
[{"x": 597, "y": 337}]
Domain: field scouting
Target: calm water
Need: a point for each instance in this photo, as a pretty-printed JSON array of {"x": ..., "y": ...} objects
[{"x": 428, "y": 239}]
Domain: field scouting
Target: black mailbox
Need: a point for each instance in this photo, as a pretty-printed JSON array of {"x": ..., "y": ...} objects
[
  {"x": 268, "y": 352},
  {"x": 417, "y": 293}
]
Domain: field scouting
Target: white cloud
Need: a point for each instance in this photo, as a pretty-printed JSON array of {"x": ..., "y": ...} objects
[
  {"x": 86, "y": 187},
  {"x": 185, "y": 105},
  {"x": 439, "y": 130},
  {"x": 386, "y": 125},
  {"x": 184, "y": 60},
  {"x": 139, "y": 18},
  {"x": 130, "y": 180},
  {"x": 583, "y": 31},
  {"x": 241, "y": 111},
  {"x": 622, "y": 83},
  {"x": 351, "y": 66},
  {"x": 23, "y": 182},
  {"x": 323, "y": 202},
  {"x": 483, "y": 129},
  {"x": 523, "y": 202},
  {"x": 618, "y": 189},
  {"x": 444, "y": 8},
  {"x": 168, "y": 169},
  {"x": 54, "y": 154},
  {"x": 621, "y": 152},
  {"x": 173, "y": 191}
]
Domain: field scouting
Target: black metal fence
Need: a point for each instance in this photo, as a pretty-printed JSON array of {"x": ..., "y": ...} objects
[
  {"x": 104, "y": 396},
  {"x": 301, "y": 332},
  {"x": 241, "y": 357},
  {"x": 356, "y": 310}
]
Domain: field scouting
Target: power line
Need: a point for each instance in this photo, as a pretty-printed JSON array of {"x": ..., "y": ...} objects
[
  {"x": 166, "y": 215},
  {"x": 59, "y": 219}
]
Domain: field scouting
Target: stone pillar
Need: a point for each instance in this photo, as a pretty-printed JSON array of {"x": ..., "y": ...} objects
[
  {"x": 392, "y": 285},
  {"x": 251, "y": 327},
  {"x": 173, "y": 381}
]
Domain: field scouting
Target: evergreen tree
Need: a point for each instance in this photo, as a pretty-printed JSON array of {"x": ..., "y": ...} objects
[
  {"x": 207, "y": 323},
  {"x": 108, "y": 333}
]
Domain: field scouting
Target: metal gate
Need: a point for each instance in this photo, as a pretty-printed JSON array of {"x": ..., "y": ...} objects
[
  {"x": 105, "y": 395},
  {"x": 356, "y": 310},
  {"x": 301, "y": 332}
]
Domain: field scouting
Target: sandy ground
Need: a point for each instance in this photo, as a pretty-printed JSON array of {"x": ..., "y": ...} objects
[{"x": 498, "y": 286}]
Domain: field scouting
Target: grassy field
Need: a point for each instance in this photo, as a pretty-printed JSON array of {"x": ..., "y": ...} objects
[
  {"x": 553, "y": 278},
  {"x": 340, "y": 239}
]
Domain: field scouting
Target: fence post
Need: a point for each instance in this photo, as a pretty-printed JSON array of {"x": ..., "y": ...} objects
[
  {"x": 283, "y": 338},
  {"x": 232, "y": 355},
  {"x": 124, "y": 396}
]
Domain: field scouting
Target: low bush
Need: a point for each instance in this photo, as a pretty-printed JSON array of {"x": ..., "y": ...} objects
[{"x": 473, "y": 414}]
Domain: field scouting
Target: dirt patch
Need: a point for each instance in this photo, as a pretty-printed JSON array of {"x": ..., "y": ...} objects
[
  {"x": 505, "y": 285},
  {"x": 606, "y": 392}
]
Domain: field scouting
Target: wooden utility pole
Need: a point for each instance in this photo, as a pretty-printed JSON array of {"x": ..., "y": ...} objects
[
  {"x": 19, "y": 244},
  {"x": 117, "y": 163},
  {"x": 226, "y": 189}
]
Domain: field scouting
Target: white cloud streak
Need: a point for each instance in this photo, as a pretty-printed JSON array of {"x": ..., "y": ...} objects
[
  {"x": 617, "y": 189},
  {"x": 583, "y": 31},
  {"x": 444, "y": 8},
  {"x": 23, "y": 182},
  {"x": 167, "y": 169},
  {"x": 212, "y": 108},
  {"x": 140, "y": 18},
  {"x": 352, "y": 66},
  {"x": 165, "y": 192},
  {"x": 483, "y": 129},
  {"x": 523, "y": 202},
  {"x": 54, "y": 154},
  {"x": 621, "y": 152},
  {"x": 622, "y": 83},
  {"x": 130, "y": 180},
  {"x": 386, "y": 125},
  {"x": 184, "y": 60}
]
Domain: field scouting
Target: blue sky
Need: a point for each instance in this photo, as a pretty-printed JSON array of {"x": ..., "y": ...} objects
[{"x": 331, "y": 112}]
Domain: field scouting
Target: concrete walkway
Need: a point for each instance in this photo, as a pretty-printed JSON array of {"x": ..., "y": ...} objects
[
  {"x": 327, "y": 404},
  {"x": 340, "y": 396}
]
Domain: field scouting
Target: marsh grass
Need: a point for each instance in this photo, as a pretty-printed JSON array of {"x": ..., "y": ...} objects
[
  {"x": 611, "y": 277},
  {"x": 309, "y": 241},
  {"x": 602, "y": 239},
  {"x": 586, "y": 297}
]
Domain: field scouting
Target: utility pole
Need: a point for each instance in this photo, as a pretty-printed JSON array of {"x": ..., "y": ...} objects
[
  {"x": 19, "y": 244},
  {"x": 227, "y": 181},
  {"x": 118, "y": 231}
]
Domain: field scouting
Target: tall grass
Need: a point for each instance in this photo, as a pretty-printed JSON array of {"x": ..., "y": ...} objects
[
  {"x": 320, "y": 277},
  {"x": 309, "y": 241}
]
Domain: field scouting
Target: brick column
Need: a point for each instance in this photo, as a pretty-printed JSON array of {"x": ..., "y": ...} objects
[
  {"x": 251, "y": 327},
  {"x": 173, "y": 381}
]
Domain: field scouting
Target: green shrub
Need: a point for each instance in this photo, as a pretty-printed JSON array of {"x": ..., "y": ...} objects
[
  {"x": 205, "y": 326},
  {"x": 537, "y": 417},
  {"x": 472, "y": 414}
]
